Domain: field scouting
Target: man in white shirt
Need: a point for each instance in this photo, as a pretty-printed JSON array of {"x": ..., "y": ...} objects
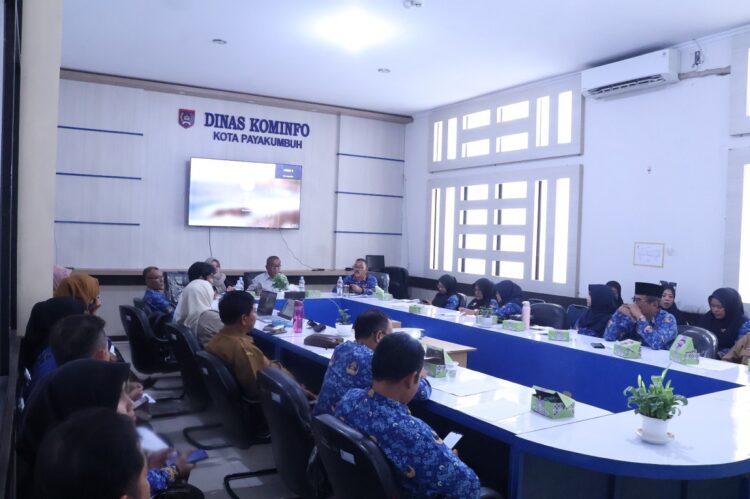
[{"x": 264, "y": 281}]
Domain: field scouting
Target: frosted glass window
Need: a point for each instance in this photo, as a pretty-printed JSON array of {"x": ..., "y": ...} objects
[
  {"x": 437, "y": 141},
  {"x": 510, "y": 242},
  {"x": 475, "y": 148},
  {"x": 565, "y": 117},
  {"x": 475, "y": 192},
  {"x": 473, "y": 217},
  {"x": 509, "y": 270},
  {"x": 542, "y": 121},
  {"x": 473, "y": 241},
  {"x": 434, "y": 228},
  {"x": 511, "y": 112},
  {"x": 471, "y": 265},
  {"x": 562, "y": 208},
  {"x": 513, "y": 142},
  {"x": 450, "y": 204},
  {"x": 452, "y": 138},
  {"x": 744, "y": 286},
  {"x": 476, "y": 120},
  {"x": 539, "y": 231},
  {"x": 511, "y": 190},
  {"x": 747, "y": 85},
  {"x": 511, "y": 216}
]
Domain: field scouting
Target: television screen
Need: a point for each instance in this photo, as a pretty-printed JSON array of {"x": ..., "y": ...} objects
[{"x": 226, "y": 193}]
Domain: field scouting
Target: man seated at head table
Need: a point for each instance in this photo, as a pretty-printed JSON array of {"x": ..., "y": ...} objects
[
  {"x": 154, "y": 296},
  {"x": 351, "y": 363},
  {"x": 423, "y": 465},
  {"x": 264, "y": 281},
  {"x": 359, "y": 281},
  {"x": 643, "y": 320}
]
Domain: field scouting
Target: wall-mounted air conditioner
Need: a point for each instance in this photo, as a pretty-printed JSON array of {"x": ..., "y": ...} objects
[{"x": 630, "y": 75}]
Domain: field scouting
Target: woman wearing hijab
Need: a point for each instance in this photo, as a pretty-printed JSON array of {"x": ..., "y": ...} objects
[
  {"x": 44, "y": 315},
  {"x": 667, "y": 302},
  {"x": 617, "y": 291},
  {"x": 726, "y": 319},
  {"x": 446, "y": 296},
  {"x": 602, "y": 305},
  {"x": 81, "y": 286},
  {"x": 509, "y": 296},
  {"x": 81, "y": 384},
  {"x": 219, "y": 277},
  {"x": 194, "y": 310},
  {"x": 482, "y": 297}
]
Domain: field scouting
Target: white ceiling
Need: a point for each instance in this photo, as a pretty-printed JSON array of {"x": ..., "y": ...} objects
[{"x": 443, "y": 52}]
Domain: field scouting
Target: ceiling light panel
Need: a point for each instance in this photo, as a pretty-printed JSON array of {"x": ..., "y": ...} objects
[{"x": 354, "y": 29}]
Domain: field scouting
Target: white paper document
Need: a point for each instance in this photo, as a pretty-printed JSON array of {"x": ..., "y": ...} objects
[{"x": 497, "y": 410}]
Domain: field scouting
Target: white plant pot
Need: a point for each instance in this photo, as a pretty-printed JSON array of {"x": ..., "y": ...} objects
[
  {"x": 344, "y": 330},
  {"x": 485, "y": 321},
  {"x": 654, "y": 430}
]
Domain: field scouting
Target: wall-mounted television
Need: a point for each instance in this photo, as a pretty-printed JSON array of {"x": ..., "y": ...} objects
[{"x": 225, "y": 193}]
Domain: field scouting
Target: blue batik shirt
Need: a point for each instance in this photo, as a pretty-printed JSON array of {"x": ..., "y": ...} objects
[
  {"x": 367, "y": 285},
  {"x": 351, "y": 367},
  {"x": 157, "y": 302},
  {"x": 423, "y": 465},
  {"x": 658, "y": 333},
  {"x": 505, "y": 311}
]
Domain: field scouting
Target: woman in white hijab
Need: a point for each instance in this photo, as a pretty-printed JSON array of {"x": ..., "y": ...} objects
[{"x": 194, "y": 310}]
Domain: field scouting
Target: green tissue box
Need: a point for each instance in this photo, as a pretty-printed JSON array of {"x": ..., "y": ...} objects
[
  {"x": 552, "y": 404},
  {"x": 683, "y": 351},
  {"x": 434, "y": 362},
  {"x": 415, "y": 309},
  {"x": 384, "y": 296},
  {"x": 558, "y": 334},
  {"x": 514, "y": 325},
  {"x": 628, "y": 349},
  {"x": 312, "y": 293}
]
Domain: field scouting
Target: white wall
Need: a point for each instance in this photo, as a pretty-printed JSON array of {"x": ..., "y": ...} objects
[
  {"x": 680, "y": 132},
  {"x": 158, "y": 150}
]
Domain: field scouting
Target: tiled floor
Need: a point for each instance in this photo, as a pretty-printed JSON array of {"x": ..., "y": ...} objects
[{"x": 208, "y": 475}]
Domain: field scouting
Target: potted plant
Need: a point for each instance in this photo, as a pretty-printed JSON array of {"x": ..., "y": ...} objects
[
  {"x": 344, "y": 323},
  {"x": 485, "y": 317},
  {"x": 280, "y": 282},
  {"x": 656, "y": 404}
]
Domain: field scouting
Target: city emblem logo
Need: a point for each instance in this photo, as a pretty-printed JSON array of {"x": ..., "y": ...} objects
[{"x": 186, "y": 117}]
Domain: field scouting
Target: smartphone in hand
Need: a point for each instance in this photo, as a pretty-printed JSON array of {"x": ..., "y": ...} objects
[{"x": 451, "y": 439}]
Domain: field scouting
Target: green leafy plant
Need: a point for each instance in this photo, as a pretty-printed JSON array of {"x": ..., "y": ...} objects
[
  {"x": 280, "y": 282},
  {"x": 655, "y": 401},
  {"x": 344, "y": 317}
]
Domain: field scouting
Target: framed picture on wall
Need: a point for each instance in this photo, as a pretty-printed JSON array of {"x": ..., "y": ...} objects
[{"x": 648, "y": 254}]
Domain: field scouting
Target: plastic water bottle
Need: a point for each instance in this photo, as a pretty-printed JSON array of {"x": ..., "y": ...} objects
[
  {"x": 526, "y": 314},
  {"x": 299, "y": 316},
  {"x": 340, "y": 287},
  {"x": 240, "y": 285},
  {"x": 301, "y": 285}
]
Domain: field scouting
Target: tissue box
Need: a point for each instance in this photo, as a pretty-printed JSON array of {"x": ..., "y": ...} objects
[
  {"x": 434, "y": 362},
  {"x": 552, "y": 404},
  {"x": 628, "y": 349},
  {"x": 683, "y": 351},
  {"x": 514, "y": 325},
  {"x": 312, "y": 293},
  {"x": 558, "y": 334},
  {"x": 384, "y": 296},
  {"x": 415, "y": 309}
]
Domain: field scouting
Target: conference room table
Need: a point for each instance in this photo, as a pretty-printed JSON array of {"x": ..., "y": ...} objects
[{"x": 594, "y": 454}]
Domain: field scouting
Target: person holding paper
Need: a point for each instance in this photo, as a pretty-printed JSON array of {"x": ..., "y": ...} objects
[
  {"x": 351, "y": 362},
  {"x": 643, "y": 320},
  {"x": 423, "y": 465}
]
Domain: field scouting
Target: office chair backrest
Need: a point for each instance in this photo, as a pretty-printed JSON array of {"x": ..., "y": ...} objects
[
  {"x": 229, "y": 404},
  {"x": 536, "y": 300},
  {"x": 399, "y": 282},
  {"x": 462, "y": 300},
  {"x": 146, "y": 350},
  {"x": 186, "y": 347},
  {"x": 355, "y": 465},
  {"x": 574, "y": 312},
  {"x": 384, "y": 279},
  {"x": 549, "y": 314},
  {"x": 376, "y": 263},
  {"x": 174, "y": 283},
  {"x": 249, "y": 276},
  {"x": 141, "y": 305},
  {"x": 704, "y": 341},
  {"x": 287, "y": 412}
]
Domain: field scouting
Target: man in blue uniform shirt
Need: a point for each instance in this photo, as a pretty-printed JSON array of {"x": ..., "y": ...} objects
[
  {"x": 423, "y": 465},
  {"x": 360, "y": 282},
  {"x": 351, "y": 363},
  {"x": 643, "y": 320},
  {"x": 154, "y": 296}
]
